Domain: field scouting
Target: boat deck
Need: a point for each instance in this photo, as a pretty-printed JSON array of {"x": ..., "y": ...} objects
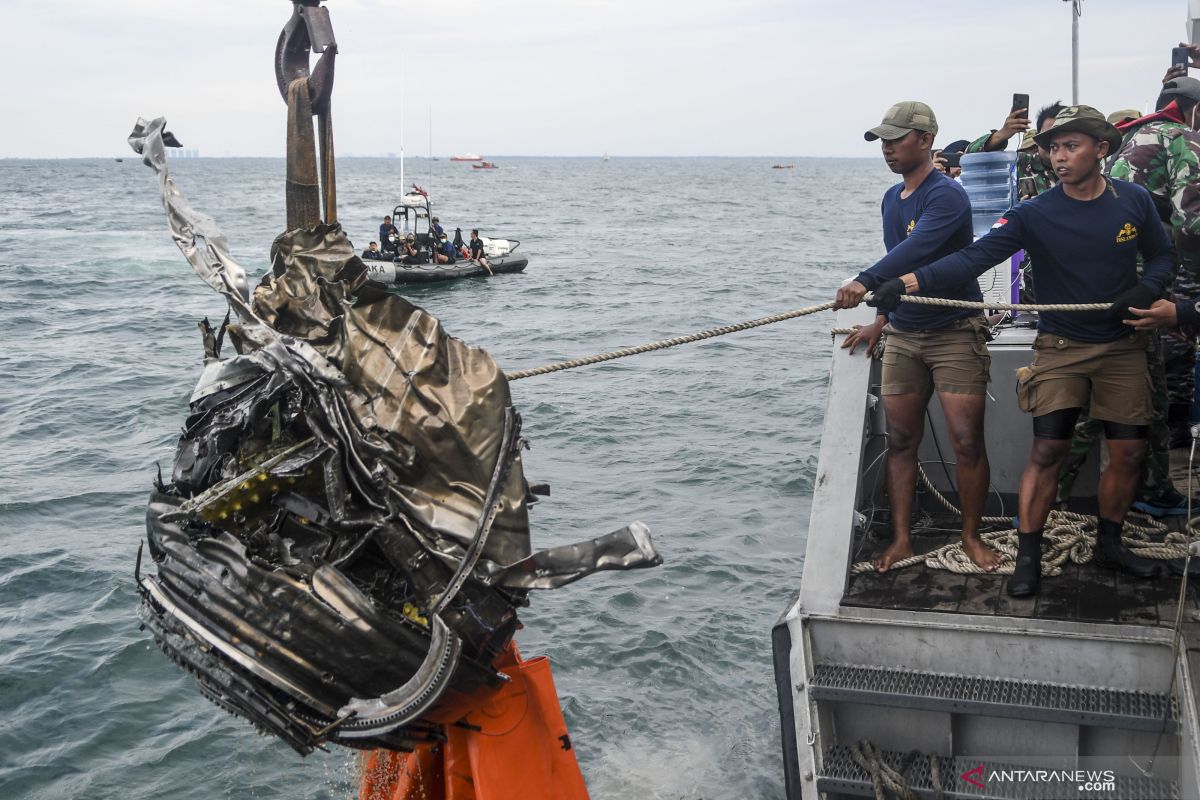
[{"x": 1083, "y": 593}]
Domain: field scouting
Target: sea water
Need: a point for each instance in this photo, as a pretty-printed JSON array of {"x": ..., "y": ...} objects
[{"x": 664, "y": 674}]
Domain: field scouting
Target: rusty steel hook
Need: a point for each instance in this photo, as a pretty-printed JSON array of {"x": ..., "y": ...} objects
[{"x": 309, "y": 30}]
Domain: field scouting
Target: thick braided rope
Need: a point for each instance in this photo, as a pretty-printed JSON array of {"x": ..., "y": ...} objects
[
  {"x": 1068, "y": 537},
  {"x": 942, "y": 301},
  {"x": 675, "y": 341},
  {"x": 662, "y": 344}
]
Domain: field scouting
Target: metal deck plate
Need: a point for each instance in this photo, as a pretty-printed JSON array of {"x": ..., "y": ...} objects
[
  {"x": 842, "y": 775},
  {"x": 1044, "y": 702}
]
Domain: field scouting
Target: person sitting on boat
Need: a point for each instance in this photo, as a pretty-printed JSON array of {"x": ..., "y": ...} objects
[
  {"x": 437, "y": 230},
  {"x": 928, "y": 349},
  {"x": 373, "y": 253},
  {"x": 445, "y": 253},
  {"x": 409, "y": 253},
  {"x": 476, "y": 251},
  {"x": 389, "y": 236},
  {"x": 1085, "y": 236}
]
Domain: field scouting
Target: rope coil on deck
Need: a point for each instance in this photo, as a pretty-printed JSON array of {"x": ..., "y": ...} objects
[
  {"x": 1067, "y": 536},
  {"x": 675, "y": 341}
]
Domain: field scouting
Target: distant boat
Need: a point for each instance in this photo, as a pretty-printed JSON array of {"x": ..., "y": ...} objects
[
  {"x": 604, "y": 157},
  {"x": 783, "y": 166},
  {"x": 118, "y": 160},
  {"x": 467, "y": 157},
  {"x": 484, "y": 165}
]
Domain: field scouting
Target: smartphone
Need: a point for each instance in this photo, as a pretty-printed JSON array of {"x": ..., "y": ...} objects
[
  {"x": 1179, "y": 57},
  {"x": 1020, "y": 101},
  {"x": 952, "y": 159}
]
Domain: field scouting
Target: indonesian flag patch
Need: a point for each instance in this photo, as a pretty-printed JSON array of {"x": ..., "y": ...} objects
[{"x": 1000, "y": 223}]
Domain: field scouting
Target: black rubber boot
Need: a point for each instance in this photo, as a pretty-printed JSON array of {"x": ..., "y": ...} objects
[
  {"x": 1114, "y": 555},
  {"x": 1028, "y": 570}
]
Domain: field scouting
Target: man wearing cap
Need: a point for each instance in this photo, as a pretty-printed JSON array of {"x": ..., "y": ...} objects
[
  {"x": 928, "y": 349},
  {"x": 1085, "y": 235},
  {"x": 1160, "y": 152},
  {"x": 389, "y": 237}
]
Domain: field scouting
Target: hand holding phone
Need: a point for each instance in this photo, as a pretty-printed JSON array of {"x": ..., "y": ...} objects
[
  {"x": 1020, "y": 101},
  {"x": 1179, "y": 59}
]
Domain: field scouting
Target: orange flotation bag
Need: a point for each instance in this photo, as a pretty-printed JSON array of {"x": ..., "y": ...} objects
[{"x": 512, "y": 743}]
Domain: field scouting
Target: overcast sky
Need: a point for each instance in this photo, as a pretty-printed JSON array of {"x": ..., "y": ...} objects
[{"x": 576, "y": 77}]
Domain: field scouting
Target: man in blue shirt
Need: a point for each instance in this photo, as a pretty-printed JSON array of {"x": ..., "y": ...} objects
[
  {"x": 927, "y": 349},
  {"x": 389, "y": 237},
  {"x": 1084, "y": 236}
]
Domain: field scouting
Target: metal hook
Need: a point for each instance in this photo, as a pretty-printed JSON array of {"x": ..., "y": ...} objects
[{"x": 309, "y": 30}]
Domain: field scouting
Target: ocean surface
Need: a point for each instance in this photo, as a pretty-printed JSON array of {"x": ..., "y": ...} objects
[{"x": 664, "y": 674}]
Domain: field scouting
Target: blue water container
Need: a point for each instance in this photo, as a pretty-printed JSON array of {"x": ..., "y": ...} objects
[{"x": 990, "y": 182}]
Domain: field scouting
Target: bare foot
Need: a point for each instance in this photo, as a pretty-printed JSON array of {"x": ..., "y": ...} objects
[
  {"x": 984, "y": 557},
  {"x": 900, "y": 550}
]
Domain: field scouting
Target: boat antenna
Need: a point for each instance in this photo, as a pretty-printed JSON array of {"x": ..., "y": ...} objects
[
  {"x": 403, "y": 185},
  {"x": 430, "y": 159},
  {"x": 1076, "y": 10}
]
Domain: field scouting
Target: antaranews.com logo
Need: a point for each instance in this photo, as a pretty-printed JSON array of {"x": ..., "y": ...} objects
[{"x": 1085, "y": 780}]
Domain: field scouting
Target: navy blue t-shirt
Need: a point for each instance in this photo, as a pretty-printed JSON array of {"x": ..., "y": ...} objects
[
  {"x": 933, "y": 221},
  {"x": 1081, "y": 251}
]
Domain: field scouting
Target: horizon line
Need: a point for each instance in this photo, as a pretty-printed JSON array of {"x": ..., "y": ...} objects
[{"x": 390, "y": 157}]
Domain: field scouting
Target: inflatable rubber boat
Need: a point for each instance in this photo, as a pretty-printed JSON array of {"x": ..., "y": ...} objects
[{"x": 398, "y": 272}]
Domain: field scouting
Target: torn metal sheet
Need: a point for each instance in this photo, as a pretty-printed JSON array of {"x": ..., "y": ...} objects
[{"x": 343, "y": 542}]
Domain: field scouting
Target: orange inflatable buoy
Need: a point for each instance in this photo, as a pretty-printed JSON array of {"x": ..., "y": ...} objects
[{"x": 512, "y": 743}]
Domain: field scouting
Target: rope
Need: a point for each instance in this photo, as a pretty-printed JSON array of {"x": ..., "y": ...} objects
[
  {"x": 662, "y": 344},
  {"x": 675, "y": 341},
  {"x": 1068, "y": 537},
  {"x": 943, "y": 301},
  {"x": 882, "y": 774}
]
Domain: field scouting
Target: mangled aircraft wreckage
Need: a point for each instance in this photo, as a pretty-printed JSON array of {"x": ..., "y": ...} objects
[{"x": 343, "y": 541}]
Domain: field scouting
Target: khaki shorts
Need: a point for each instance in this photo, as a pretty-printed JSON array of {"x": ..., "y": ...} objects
[
  {"x": 954, "y": 359},
  {"x": 1109, "y": 380}
]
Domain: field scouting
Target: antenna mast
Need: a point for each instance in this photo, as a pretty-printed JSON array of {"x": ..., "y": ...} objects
[
  {"x": 1076, "y": 10},
  {"x": 403, "y": 185}
]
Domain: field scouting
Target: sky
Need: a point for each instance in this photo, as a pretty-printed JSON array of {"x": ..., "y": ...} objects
[{"x": 576, "y": 77}]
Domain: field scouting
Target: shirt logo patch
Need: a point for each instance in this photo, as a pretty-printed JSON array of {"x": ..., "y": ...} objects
[
  {"x": 912, "y": 223},
  {"x": 1000, "y": 223},
  {"x": 1127, "y": 234}
]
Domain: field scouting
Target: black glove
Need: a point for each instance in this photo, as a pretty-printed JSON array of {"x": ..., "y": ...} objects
[
  {"x": 1140, "y": 296},
  {"x": 886, "y": 296}
]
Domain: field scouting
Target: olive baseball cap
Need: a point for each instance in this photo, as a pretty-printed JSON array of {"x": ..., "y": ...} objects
[
  {"x": 905, "y": 116},
  {"x": 1084, "y": 119}
]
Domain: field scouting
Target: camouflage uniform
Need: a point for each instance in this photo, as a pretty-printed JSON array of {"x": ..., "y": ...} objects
[{"x": 1163, "y": 157}]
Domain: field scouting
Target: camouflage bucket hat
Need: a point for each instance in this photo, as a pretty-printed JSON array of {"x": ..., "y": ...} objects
[
  {"x": 1084, "y": 119},
  {"x": 905, "y": 116},
  {"x": 1027, "y": 142}
]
